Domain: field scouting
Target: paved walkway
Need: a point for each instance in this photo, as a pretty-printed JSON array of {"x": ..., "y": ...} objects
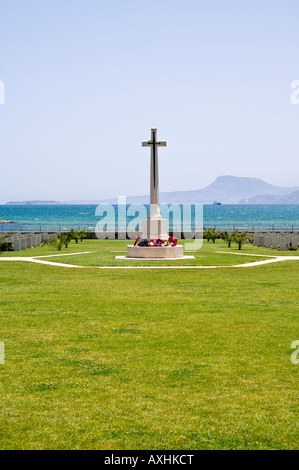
[{"x": 36, "y": 259}]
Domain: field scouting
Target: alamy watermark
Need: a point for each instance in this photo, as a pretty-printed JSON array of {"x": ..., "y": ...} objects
[
  {"x": 126, "y": 221},
  {"x": 295, "y": 354},
  {"x": 2, "y": 353},
  {"x": 295, "y": 93},
  {"x": 2, "y": 92}
]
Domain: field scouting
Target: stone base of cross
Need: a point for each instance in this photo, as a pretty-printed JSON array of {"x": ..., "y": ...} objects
[{"x": 154, "y": 228}]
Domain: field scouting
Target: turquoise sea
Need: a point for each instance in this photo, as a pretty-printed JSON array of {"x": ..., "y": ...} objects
[{"x": 65, "y": 217}]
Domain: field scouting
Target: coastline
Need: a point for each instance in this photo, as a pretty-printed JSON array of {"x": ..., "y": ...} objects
[{"x": 224, "y": 217}]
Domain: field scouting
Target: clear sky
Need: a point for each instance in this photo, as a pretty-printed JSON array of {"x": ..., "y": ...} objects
[{"x": 85, "y": 80}]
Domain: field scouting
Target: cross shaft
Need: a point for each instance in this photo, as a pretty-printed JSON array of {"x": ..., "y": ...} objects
[{"x": 154, "y": 193}]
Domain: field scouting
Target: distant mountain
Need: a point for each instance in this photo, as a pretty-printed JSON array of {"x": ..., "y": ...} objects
[
  {"x": 225, "y": 189},
  {"x": 292, "y": 198},
  {"x": 232, "y": 189},
  {"x": 33, "y": 203}
]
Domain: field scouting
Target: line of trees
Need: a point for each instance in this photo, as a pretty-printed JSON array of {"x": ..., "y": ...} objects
[
  {"x": 233, "y": 237},
  {"x": 65, "y": 238}
]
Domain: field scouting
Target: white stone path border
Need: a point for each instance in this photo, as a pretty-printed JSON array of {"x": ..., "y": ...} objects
[{"x": 272, "y": 259}]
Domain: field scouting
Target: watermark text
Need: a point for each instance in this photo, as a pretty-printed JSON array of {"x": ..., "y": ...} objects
[
  {"x": 2, "y": 353},
  {"x": 131, "y": 221},
  {"x": 295, "y": 93},
  {"x": 295, "y": 354},
  {"x": 2, "y": 92}
]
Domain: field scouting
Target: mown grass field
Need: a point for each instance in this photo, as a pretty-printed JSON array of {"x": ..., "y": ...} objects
[
  {"x": 148, "y": 359},
  {"x": 103, "y": 253}
]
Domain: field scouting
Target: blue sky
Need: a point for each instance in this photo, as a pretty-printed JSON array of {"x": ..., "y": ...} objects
[{"x": 86, "y": 80}]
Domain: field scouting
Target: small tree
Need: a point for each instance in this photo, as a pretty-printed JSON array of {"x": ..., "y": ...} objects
[
  {"x": 74, "y": 235},
  {"x": 82, "y": 234},
  {"x": 58, "y": 243},
  {"x": 210, "y": 234},
  {"x": 6, "y": 246},
  {"x": 55, "y": 241},
  {"x": 63, "y": 239},
  {"x": 228, "y": 238},
  {"x": 67, "y": 239},
  {"x": 240, "y": 238}
]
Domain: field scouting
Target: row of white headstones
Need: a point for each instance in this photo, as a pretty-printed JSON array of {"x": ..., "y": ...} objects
[
  {"x": 281, "y": 242},
  {"x": 23, "y": 241}
]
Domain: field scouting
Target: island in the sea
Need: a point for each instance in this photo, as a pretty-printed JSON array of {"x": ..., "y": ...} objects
[{"x": 33, "y": 203}]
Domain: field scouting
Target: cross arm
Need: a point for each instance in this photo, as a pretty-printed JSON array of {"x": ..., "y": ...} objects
[
  {"x": 161, "y": 143},
  {"x": 150, "y": 143}
]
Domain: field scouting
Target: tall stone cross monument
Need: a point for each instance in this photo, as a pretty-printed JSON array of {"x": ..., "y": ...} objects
[
  {"x": 155, "y": 244},
  {"x": 154, "y": 227}
]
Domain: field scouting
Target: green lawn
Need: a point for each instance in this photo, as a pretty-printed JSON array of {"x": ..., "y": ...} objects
[
  {"x": 148, "y": 359},
  {"x": 103, "y": 253}
]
